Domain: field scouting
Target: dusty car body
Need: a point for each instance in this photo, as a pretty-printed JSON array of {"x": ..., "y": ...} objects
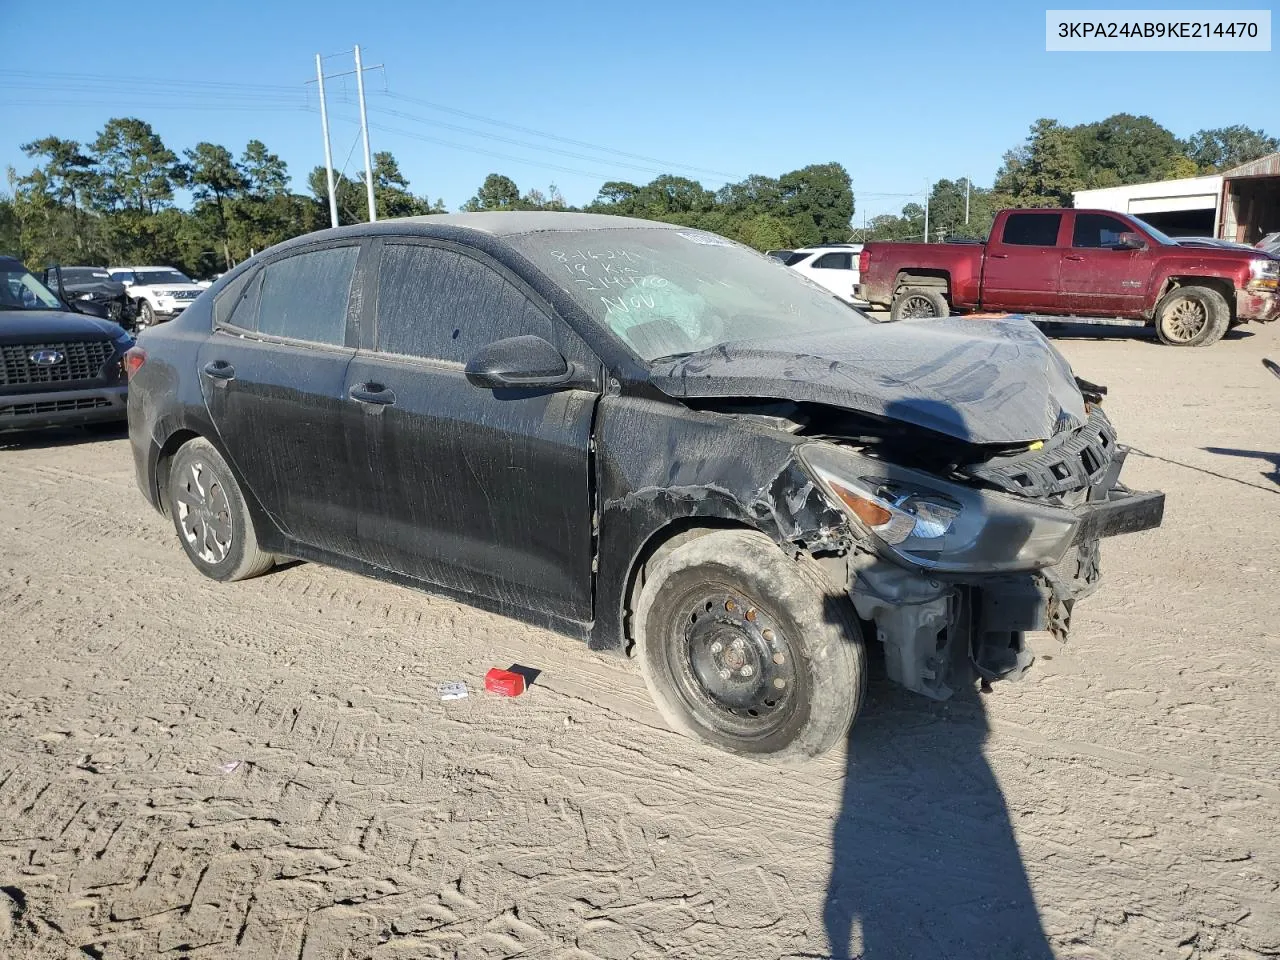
[{"x": 646, "y": 436}]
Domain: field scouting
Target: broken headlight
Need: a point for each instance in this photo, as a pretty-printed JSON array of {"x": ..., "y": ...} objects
[{"x": 931, "y": 522}]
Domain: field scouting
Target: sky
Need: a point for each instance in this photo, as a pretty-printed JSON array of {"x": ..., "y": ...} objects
[{"x": 900, "y": 93}]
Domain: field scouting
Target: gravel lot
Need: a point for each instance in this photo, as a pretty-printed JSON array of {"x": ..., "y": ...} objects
[{"x": 263, "y": 769}]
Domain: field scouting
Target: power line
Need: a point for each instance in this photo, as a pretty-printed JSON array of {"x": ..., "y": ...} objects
[{"x": 552, "y": 136}]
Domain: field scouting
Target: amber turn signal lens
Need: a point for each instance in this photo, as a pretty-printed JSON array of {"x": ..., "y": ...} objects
[
  {"x": 134, "y": 358},
  {"x": 868, "y": 511}
]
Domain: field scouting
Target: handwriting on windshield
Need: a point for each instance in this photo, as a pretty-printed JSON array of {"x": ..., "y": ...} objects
[{"x": 622, "y": 276}]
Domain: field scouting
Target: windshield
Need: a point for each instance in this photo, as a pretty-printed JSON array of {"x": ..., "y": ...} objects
[
  {"x": 83, "y": 275},
  {"x": 666, "y": 293},
  {"x": 1159, "y": 236},
  {"x": 19, "y": 290},
  {"x": 151, "y": 278}
]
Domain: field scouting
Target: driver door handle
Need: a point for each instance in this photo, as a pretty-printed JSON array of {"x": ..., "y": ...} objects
[
  {"x": 997, "y": 256},
  {"x": 374, "y": 394},
  {"x": 1072, "y": 256},
  {"x": 219, "y": 370}
]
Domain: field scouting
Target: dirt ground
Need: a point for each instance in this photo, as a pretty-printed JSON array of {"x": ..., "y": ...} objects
[{"x": 264, "y": 769}]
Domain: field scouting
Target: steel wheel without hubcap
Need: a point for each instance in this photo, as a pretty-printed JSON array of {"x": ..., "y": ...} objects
[
  {"x": 1185, "y": 321},
  {"x": 204, "y": 514},
  {"x": 734, "y": 664}
]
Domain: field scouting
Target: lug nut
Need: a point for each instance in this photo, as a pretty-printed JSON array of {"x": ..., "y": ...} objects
[
  {"x": 724, "y": 674},
  {"x": 717, "y": 646},
  {"x": 747, "y": 670},
  {"x": 737, "y": 643}
]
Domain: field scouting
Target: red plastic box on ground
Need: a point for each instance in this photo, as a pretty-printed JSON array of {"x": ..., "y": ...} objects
[{"x": 504, "y": 683}]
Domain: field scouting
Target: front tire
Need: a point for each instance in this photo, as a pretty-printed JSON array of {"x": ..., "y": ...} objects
[
  {"x": 210, "y": 515},
  {"x": 916, "y": 303},
  {"x": 146, "y": 315},
  {"x": 748, "y": 650},
  {"x": 1192, "y": 317}
]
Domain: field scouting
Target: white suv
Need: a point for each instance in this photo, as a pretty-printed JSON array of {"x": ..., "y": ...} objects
[
  {"x": 833, "y": 265},
  {"x": 158, "y": 293}
]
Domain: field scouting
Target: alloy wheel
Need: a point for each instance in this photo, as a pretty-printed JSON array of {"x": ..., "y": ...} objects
[
  {"x": 916, "y": 308},
  {"x": 1185, "y": 320}
]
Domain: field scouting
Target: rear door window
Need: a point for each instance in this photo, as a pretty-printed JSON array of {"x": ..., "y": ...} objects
[
  {"x": 304, "y": 297},
  {"x": 439, "y": 304},
  {"x": 1031, "y": 229},
  {"x": 834, "y": 261}
]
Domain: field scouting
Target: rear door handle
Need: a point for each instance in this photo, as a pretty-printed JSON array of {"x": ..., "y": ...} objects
[
  {"x": 1072, "y": 256},
  {"x": 997, "y": 256},
  {"x": 374, "y": 394},
  {"x": 219, "y": 370}
]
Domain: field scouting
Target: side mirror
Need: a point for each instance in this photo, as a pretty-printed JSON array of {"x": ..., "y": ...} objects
[
  {"x": 1130, "y": 240},
  {"x": 519, "y": 362}
]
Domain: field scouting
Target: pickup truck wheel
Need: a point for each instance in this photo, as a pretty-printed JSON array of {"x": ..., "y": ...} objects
[
  {"x": 1192, "y": 317},
  {"x": 748, "y": 650},
  {"x": 915, "y": 303}
]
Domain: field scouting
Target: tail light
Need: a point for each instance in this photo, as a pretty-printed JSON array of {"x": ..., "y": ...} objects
[
  {"x": 864, "y": 259},
  {"x": 134, "y": 358}
]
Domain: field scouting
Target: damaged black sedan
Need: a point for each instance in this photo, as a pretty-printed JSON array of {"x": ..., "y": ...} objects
[{"x": 647, "y": 436}]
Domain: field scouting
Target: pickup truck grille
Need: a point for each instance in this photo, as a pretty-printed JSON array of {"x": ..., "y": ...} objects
[
  {"x": 1067, "y": 463},
  {"x": 79, "y": 360},
  {"x": 53, "y": 406}
]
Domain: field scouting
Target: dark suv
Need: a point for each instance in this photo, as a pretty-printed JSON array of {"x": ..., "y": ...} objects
[
  {"x": 645, "y": 435},
  {"x": 57, "y": 367}
]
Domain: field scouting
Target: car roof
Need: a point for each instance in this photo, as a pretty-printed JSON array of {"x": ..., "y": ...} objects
[{"x": 506, "y": 223}]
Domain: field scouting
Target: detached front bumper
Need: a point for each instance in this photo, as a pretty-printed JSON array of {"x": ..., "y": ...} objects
[{"x": 939, "y": 630}]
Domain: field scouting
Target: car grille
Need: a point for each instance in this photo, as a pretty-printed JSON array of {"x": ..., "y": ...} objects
[
  {"x": 1067, "y": 463},
  {"x": 81, "y": 360},
  {"x": 54, "y": 406},
  {"x": 186, "y": 294}
]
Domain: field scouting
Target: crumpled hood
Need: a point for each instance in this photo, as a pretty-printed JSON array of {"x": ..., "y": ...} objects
[
  {"x": 984, "y": 381},
  {"x": 28, "y": 326},
  {"x": 104, "y": 288}
]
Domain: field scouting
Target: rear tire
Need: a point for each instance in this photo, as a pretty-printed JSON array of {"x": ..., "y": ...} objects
[
  {"x": 748, "y": 650},
  {"x": 210, "y": 515},
  {"x": 1192, "y": 317},
  {"x": 914, "y": 303}
]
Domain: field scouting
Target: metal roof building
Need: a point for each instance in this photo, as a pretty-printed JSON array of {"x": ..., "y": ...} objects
[{"x": 1241, "y": 204}]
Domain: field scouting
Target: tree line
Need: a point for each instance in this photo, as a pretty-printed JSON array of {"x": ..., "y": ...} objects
[
  {"x": 1056, "y": 160},
  {"x": 114, "y": 200}
]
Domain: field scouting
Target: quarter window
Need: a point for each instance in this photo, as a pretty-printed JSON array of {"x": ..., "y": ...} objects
[
  {"x": 1032, "y": 229},
  {"x": 305, "y": 296},
  {"x": 1097, "y": 230},
  {"x": 442, "y": 305},
  {"x": 834, "y": 261}
]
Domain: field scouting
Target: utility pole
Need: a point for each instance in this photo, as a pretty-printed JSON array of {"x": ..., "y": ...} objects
[
  {"x": 926, "y": 211},
  {"x": 966, "y": 201},
  {"x": 328, "y": 152},
  {"x": 364, "y": 129}
]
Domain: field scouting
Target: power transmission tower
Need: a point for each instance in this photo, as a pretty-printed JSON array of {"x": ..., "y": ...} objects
[{"x": 321, "y": 77}]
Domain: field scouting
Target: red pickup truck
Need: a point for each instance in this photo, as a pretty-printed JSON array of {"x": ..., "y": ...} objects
[{"x": 1087, "y": 264}]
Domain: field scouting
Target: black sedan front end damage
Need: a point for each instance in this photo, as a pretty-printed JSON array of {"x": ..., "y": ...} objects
[{"x": 952, "y": 572}]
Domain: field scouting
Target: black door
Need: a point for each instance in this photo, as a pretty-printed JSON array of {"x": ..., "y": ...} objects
[
  {"x": 273, "y": 376},
  {"x": 463, "y": 487}
]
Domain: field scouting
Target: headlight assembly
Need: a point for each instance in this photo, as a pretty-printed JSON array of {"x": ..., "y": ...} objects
[{"x": 930, "y": 522}]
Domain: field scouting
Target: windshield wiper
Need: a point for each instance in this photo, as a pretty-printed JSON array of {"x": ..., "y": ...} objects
[{"x": 675, "y": 356}]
